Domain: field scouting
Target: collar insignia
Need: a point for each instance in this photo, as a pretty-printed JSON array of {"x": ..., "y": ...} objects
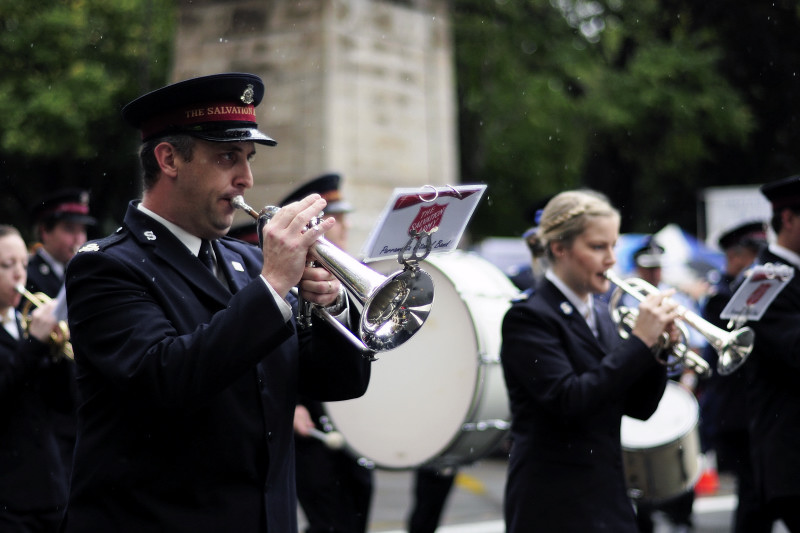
[
  {"x": 91, "y": 247},
  {"x": 566, "y": 308},
  {"x": 237, "y": 266}
]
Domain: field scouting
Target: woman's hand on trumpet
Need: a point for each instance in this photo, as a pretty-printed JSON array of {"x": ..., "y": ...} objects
[
  {"x": 657, "y": 314},
  {"x": 43, "y": 322},
  {"x": 287, "y": 243}
]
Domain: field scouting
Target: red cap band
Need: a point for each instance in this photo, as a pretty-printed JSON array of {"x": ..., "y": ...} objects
[
  {"x": 199, "y": 114},
  {"x": 71, "y": 208}
]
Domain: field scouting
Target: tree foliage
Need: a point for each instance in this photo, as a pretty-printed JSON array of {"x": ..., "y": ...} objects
[
  {"x": 68, "y": 67},
  {"x": 647, "y": 101},
  {"x": 635, "y": 99}
]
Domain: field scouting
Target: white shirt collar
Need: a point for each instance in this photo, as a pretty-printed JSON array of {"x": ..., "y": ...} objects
[
  {"x": 190, "y": 241},
  {"x": 583, "y": 307},
  {"x": 9, "y": 319},
  {"x": 785, "y": 254}
]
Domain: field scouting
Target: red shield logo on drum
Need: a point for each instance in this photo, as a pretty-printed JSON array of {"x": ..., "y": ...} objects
[{"x": 428, "y": 218}]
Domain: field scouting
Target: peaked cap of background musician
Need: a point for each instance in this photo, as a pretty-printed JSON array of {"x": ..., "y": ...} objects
[
  {"x": 650, "y": 254},
  {"x": 750, "y": 235},
  {"x": 327, "y": 186},
  {"x": 783, "y": 193},
  {"x": 218, "y": 108},
  {"x": 66, "y": 204}
]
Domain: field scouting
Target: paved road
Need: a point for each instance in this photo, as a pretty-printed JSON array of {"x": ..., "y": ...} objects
[{"x": 475, "y": 505}]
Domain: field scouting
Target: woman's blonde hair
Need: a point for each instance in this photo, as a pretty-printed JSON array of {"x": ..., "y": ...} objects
[{"x": 566, "y": 215}]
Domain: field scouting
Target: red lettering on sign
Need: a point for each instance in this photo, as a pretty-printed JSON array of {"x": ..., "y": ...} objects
[
  {"x": 757, "y": 294},
  {"x": 428, "y": 218}
]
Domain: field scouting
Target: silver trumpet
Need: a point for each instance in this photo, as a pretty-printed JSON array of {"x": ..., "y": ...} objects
[
  {"x": 732, "y": 347},
  {"x": 394, "y": 307}
]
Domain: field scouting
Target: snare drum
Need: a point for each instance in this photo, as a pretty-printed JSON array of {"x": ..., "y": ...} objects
[
  {"x": 661, "y": 455},
  {"x": 439, "y": 399}
]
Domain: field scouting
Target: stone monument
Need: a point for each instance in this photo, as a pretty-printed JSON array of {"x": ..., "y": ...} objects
[{"x": 362, "y": 87}]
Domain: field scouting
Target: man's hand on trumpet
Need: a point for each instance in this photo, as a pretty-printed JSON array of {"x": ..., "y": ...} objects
[
  {"x": 657, "y": 314},
  {"x": 287, "y": 244},
  {"x": 318, "y": 286}
]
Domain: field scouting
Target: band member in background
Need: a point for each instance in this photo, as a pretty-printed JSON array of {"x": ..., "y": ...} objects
[
  {"x": 722, "y": 398},
  {"x": 189, "y": 360},
  {"x": 649, "y": 260},
  {"x": 33, "y": 482},
  {"x": 773, "y": 368},
  {"x": 570, "y": 378},
  {"x": 61, "y": 220},
  {"x": 334, "y": 491}
]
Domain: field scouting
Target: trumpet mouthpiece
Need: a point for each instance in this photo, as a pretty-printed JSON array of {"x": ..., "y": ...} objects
[{"x": 239, "y": 203}]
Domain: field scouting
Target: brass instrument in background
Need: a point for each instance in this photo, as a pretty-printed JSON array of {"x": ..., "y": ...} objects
[
  {"x": 394, "y": 307},
  {"x": 732, "y": 347},
  {"x": 59, "y": 340}
]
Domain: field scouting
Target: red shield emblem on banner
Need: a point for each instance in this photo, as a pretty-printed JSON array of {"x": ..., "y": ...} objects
[{"x": 428, "y": 218}]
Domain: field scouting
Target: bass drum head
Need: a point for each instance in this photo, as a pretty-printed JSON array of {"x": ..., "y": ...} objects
[{"x": 422, "y": 392}]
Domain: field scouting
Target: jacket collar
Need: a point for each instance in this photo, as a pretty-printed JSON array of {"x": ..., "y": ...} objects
[{"x": 154, "y": 236}]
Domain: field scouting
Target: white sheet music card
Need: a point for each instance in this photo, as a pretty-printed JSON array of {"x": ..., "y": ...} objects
[
  {"x": 446, "y": 209},
  {"x": 760, "y": 287}
]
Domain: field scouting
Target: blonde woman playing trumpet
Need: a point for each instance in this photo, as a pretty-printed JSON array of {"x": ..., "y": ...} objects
[
  {"x": 33, "y": 387},
  {"x": 571, "y": 378}
]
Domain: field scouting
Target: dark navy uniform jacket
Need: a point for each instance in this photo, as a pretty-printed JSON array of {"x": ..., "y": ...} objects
[
  {"x": 41, "y": 277},
  {"x": 188, "y": 389},
  {"x": 568, "y": 392},
  {"x": 773, "y": 391},
  {"x": 32, "y": 389}
]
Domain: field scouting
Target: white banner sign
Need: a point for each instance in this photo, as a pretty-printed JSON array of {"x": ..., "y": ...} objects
[
  {"x": 760, "y": 287},
  {"x": 441, "y": 212}
]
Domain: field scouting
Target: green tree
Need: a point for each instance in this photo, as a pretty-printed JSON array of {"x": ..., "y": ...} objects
[
  {"x": 624, "y": 98},
  {"x": 68, "y": 67}
]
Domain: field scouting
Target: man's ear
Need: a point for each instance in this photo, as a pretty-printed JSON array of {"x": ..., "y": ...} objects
[{"x": 166, "y": 156}]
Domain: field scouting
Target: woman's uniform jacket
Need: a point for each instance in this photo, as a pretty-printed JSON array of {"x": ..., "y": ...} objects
[
  {"x": 773, "y": 391},
  {"x": 33, "y": 388},
  {"x": 188, "y": 388},
  {"x": 568, "y": 391}
]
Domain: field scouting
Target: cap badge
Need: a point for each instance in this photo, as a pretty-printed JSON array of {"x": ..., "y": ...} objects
[{"x": 247, "y": 95}]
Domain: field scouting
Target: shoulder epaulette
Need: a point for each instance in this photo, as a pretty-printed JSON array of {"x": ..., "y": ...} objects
[
  {"x": 523, "y": 296},
  {"x": 105, "y": 242}
]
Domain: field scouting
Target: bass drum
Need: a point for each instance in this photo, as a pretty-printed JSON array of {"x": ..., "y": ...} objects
[
  {"x": 661, "y": 455},
  {"x": 439, "y": 399}
]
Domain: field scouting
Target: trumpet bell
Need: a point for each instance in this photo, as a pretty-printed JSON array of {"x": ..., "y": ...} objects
[
  {"x": 735, "y": 350},
  {"x": 396, "y": 310}
]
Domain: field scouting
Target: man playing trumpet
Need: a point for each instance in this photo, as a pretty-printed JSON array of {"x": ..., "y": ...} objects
[{"x": 189, "y": 361}]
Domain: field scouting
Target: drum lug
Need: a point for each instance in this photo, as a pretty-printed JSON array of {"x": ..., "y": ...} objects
[{"x": 483, "y": 425}]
